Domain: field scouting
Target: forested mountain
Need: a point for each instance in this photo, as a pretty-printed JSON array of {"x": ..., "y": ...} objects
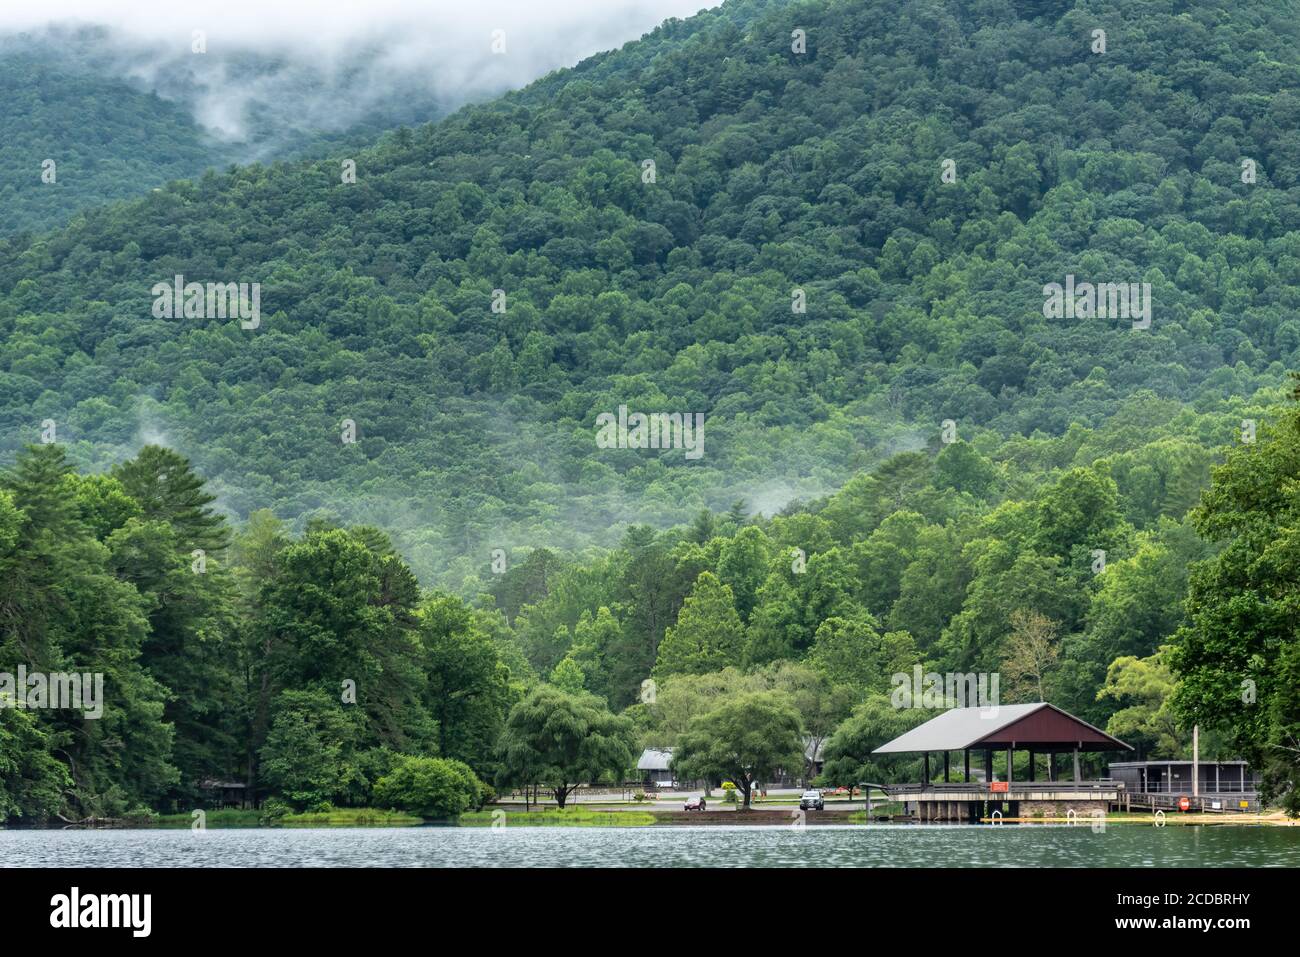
[
  {"x": 126, "y": 105},
  {"x": 112, "y": 136},
  {"x": 775, "y": 171},
  {"x": 108, "y": 140},
  {"x": 750, "y": 215}
]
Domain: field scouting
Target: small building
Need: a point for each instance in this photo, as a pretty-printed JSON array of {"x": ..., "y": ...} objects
[
  {"x": 655, "y": 772},
  {"x": 813, "y": 753},
  {"x": 788, "y": 778},
  {"x": 1221, "y": 785},
  {"x": 224, "y": 793},
  {"x": 653, "y": 767}
]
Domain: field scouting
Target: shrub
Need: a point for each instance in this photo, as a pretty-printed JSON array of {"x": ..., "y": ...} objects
[
  {"x": 272, "y": 810},
  {"x": 431, "y": 788}
]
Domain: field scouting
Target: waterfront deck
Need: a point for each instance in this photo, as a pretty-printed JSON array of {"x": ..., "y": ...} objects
[
  {"x": 1100, "y": 790},
  {"x": 1218, "y": 802},
  {"x": 974, "y": 801}
]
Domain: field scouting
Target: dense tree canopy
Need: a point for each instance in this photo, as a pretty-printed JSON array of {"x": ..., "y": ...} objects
[
  {"x": 910, "y": 462},
  {"x": 774, "y": 171},
  {"x": 745, "y": 740}
]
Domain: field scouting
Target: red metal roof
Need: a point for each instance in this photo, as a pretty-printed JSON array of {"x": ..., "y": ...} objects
[
  {"x": 1050, "y": 728},
  {"x": 1041, "y": 726}
]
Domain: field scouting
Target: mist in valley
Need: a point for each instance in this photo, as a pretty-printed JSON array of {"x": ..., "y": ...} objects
[{"x": 273, "y": 79}]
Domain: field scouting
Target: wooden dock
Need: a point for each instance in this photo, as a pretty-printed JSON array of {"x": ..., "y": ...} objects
[{"x": 975, "y": 801}]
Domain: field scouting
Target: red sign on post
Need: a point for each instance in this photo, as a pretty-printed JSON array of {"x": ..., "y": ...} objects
[
  {"x": 1184, "y": 804},
  {"x": 998, "y": 787}
]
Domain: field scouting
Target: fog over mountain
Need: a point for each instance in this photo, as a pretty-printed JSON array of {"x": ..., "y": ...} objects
[{"x": 268, "y": 71}]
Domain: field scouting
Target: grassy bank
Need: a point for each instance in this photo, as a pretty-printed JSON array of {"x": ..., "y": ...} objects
[
  {"x": 890, "y": 809},
  {"x": 337, "y": 817},
  {"x": 553, "y": 817}
]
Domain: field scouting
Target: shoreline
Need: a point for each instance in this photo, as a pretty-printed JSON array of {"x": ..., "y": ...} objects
[{"x": 625, "y": 816}]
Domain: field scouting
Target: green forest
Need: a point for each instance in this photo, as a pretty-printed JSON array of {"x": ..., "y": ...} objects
[
  {"x": 107, "y": 141},
  {"x": 114, "y": 138},
  {"x": 837, "y": 255}
]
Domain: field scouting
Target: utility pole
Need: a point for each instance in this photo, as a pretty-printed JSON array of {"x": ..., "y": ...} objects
[{"x": 1196, "y": 760}]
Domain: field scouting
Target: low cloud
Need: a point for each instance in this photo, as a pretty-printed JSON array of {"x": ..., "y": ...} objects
[{"x": 325, "y": 63}]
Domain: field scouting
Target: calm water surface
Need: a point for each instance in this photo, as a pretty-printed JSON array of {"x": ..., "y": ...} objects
[{"x": 712, "y": 846}]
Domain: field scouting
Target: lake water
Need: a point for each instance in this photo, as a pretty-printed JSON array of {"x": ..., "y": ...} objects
[{"x": 698, "y": 846}]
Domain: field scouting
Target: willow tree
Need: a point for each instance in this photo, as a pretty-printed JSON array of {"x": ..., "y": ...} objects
[
  {"x": 563, "y": 741},
  {"x": 746, "y": 739}
]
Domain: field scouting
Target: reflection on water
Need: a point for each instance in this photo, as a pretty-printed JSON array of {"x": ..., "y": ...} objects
[{"x": 712, "y": 846}]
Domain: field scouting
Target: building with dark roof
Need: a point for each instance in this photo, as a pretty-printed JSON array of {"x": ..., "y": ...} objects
[
  {"x": 1041, "y": 729},
  {"x": 1221, "y": 785}
]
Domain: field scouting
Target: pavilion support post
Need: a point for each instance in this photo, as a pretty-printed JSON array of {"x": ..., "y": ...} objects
[
  {"x": 1076, "y": 764},
  {"x": 967, "y": 766},
  {"x": 1051, "y": 765},
  {"x": 1009, "y": 750},
  {"x": 1031, "y": 764},
  {"x": 927, "y": 767},
  {"x": 988, "y": 765},
  {"x": 945, "y": 768}
]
